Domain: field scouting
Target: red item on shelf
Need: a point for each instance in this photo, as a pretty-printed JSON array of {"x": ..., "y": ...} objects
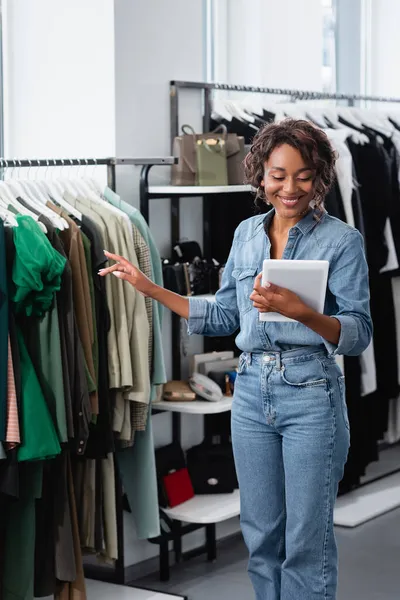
[{"x": 178, "y": 487}]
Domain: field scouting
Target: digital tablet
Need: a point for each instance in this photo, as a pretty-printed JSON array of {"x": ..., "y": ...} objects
[{"x": 306, "y": 278}]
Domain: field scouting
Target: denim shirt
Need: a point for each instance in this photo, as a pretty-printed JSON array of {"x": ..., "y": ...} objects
[{"x": 347, "y": 299}]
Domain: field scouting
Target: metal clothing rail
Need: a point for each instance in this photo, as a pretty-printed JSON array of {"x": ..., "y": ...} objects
[
  {"x": 116, "y": 574},
  {"x": 294, "y": 95},
  {"x": 111, "y": 163}
]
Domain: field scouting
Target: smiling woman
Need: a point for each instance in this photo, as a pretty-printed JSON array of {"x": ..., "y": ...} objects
[
  {"x": 290, "y": 429},
  {"x": 289, "y": 161}
]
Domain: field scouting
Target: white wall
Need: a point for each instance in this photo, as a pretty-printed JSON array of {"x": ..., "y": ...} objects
[
  {"x": 270, "y": 43},
  {"x": 157, "y": 41},
  {"x": 59, "y": 78},
  {"x": 384, "y": 48}
]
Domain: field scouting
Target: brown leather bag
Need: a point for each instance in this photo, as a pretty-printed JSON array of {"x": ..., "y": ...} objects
[
  {"x": 184, "y": 147},
  {"x": 178, "y": 391}
]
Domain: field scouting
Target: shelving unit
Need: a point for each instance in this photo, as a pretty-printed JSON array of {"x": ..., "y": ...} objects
[
  {"x": 201, "y": 511},
  {"x": 207, "y": 510},
  {"x": 162, "y": 191},
  {"x": 196, "y": 407}
]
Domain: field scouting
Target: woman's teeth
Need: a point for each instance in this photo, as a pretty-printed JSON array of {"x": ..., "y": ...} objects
[{"x": 289, "y": 202}]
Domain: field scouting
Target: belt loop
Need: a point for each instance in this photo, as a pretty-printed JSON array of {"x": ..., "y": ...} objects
[
  {"x": 249, "y": 358},
  {"x": 278, "y": 361}
]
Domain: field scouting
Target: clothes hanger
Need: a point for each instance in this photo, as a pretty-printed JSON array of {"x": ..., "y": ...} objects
[
  {"x": 347, "y": 114},
  {"x": 357, "y": 136},
  {"x": 39, "y": 199},
  {"x": 242, "y": 114},
  {"x": 291, "y": 109},
  {"x": 15, "y": 188},
  {"x": 77, "y": 183},
  {"x": 372, "y": 121},
  {"x": 55, "y": 189},
  {"x": 68, "y": 186},
  {"x": 316, "y": 115},
  {"x": 94, "y": 183},
  {"x": 81, "y": 184},
  {"x": 252, "y": 106},
  {"x": 219, "y": 110},
  {"x": 44, "y": 197},
  {"x": 8, "y": 217}
]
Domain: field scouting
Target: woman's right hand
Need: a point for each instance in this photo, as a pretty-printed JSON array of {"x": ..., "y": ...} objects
[{"x": 123, "y": 269}]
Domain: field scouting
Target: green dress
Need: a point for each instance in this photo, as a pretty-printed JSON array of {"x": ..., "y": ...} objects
[
  {"x": 37, "y": 269},
  {"x": 36, "y": 273}
]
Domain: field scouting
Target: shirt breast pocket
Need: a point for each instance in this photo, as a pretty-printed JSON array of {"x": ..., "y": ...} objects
[{"x": 245, "y": 277}]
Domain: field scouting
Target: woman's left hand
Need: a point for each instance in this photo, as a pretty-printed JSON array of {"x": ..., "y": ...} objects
[{"x": 273, "y": 298}]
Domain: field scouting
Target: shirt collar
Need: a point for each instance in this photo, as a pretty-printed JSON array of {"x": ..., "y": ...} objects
[{"x": 307, "y": 223}]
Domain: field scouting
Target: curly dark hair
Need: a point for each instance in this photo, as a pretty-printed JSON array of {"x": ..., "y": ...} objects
[{"x": 313, "y": 145}]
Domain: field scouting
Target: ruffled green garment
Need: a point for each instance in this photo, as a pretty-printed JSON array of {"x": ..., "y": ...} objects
[
  {"x": 37, "y": 269},
  {"x": 36, "y": 277}
]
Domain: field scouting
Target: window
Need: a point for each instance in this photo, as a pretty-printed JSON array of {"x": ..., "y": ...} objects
[{"x": 329, "y": 46}]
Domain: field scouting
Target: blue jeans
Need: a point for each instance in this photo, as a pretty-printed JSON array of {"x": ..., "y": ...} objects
[{"x": 291, "y": 438}]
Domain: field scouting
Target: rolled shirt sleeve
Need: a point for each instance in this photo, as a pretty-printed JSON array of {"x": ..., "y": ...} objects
[
  {"x": 219, "y": 317},
  {"x": 348, "y": 282}
]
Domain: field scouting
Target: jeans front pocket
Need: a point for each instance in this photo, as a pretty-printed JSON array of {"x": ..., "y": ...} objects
[
  {"x": 245, "y": 277},
  {"x": 304, "y": 374},
  {"x": 343, "y": 403}
]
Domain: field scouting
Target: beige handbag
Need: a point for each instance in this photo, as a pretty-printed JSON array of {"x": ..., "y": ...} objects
[{"x": 194, "y": 157}]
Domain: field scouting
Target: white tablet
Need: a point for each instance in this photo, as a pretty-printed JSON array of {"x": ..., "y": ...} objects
[{"x": 306, "y": 278}]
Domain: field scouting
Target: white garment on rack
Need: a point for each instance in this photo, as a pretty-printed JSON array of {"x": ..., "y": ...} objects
[
  {"x": 344, "y": 170},
  {"x": 369, "y": 382},
  {"x": 392, "y": 262}
]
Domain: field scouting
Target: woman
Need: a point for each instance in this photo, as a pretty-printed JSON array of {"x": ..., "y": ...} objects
[{"x": 289, "y": 419}]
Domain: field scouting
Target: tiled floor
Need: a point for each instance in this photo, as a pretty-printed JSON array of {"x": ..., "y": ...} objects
[
  {"x": 369, "y": 567},
  {"x": 369, "y": 561},
  {"x": 106, "y": 591}
]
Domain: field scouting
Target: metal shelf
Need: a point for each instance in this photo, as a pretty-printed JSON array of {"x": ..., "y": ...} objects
[
  {"x": 165, "y": 191},
  {"x": 207, "y": 509},
  {"x": 196, "y": 407}
]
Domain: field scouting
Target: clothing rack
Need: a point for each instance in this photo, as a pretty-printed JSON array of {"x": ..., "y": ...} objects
[
  {"x": 106, "y": 573},
  {"x": 208, "y": 88},
  {"x": 111, "y": 164}
]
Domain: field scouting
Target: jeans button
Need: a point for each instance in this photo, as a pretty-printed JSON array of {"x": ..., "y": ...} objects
[{"x": 267, "y": 358}]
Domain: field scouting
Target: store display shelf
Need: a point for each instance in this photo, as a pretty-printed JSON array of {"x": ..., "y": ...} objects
[
  {"x": 196, "y": 190},
  {"x": 196, "y": 407},
  {"x": 207, "y": 509}
]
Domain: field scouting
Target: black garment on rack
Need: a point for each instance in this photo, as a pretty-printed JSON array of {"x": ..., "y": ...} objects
[
  {"x": 223, "y": 217},
  {"x": 73, "y": 358},
  {"x": 376, "y": 193},
  {"x": 101, "y": 437},
  {"x": 363, "y": 440},
  {"x": 392, "y": 161},
  {"x": 54, "y": 546}
]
